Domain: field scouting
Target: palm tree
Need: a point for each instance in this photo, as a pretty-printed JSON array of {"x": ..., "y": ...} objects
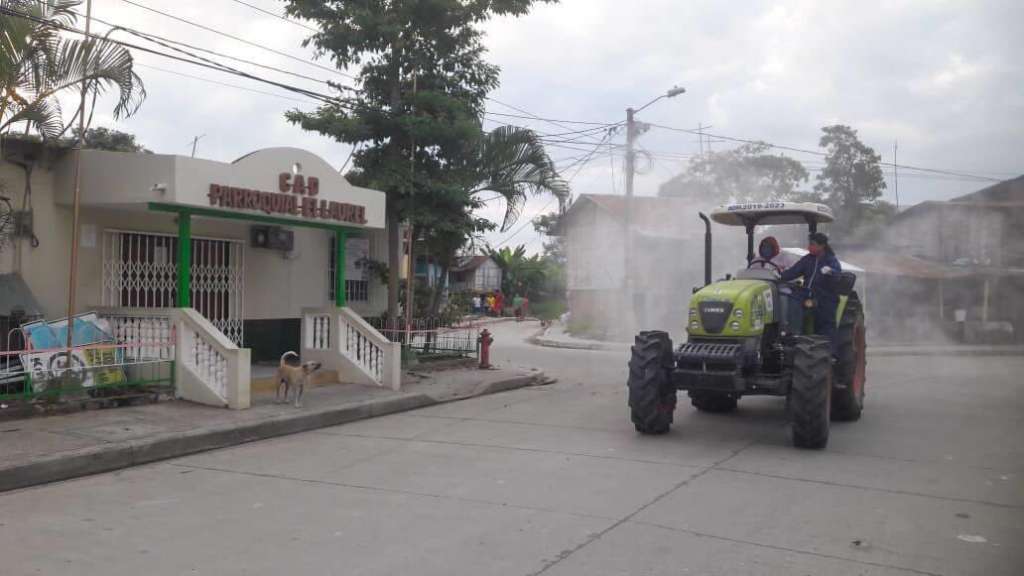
[
  {"x": 510, "y": 161},
  {"x": 37, "y": 65},
  {"x": 513, "y": 162}
]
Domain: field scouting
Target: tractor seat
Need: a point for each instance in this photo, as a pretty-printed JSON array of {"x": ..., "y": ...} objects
[{"x": 757, "y": 274}]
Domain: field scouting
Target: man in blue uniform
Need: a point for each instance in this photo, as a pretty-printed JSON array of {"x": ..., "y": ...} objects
[{"x": 820, "y": 270}]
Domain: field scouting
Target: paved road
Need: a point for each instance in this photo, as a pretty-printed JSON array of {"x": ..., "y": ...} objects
[{"x": 554, "y": 481}]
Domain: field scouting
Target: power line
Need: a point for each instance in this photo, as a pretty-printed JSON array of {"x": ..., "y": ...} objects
[
  {"x": 581, "y": 164},
  {"x": 238, "y": 39},
  {"x": 207, "y": 64},
  {"x": 280, "y": 16},
  {"x": 150, "y": 37},
  {"x": 225, "y": 84}
]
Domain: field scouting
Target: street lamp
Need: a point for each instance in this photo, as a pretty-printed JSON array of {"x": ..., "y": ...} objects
[{"x": 627, "y": 269}]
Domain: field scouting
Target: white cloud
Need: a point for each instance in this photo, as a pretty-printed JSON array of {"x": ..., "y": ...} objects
[{"x": 942, "y": 77}]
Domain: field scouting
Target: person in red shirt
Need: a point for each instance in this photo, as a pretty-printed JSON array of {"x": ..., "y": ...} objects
[{"x": 499, "y": 303}]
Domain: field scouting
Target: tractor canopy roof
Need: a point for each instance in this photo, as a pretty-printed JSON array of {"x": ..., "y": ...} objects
[{"x": 772, "y": 213}]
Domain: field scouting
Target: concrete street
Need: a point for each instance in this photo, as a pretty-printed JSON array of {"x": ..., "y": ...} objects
[{"x": 553, "y": 480}]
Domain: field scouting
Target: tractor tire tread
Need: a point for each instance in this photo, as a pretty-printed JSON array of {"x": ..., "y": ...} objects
[
  {"x": 810, "y": 392},
  {"x": 652, "y": 398},
  {"x": 846, "y": 405}
]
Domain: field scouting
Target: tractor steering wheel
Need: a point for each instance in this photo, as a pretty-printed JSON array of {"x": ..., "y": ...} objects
[{"x": 763, "y": 262}]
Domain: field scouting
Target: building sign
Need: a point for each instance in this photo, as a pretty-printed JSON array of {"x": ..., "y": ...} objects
[{"x": 297, "y": 197}]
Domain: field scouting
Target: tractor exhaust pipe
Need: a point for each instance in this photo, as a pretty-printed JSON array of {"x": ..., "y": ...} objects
[{"x": 707, "y": 248}]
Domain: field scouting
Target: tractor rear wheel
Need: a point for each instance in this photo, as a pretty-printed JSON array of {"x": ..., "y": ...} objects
[
  {"x": 652, "y": 397},
  {"x": 810, "y": 391},
  {"x": 706, "y": 401},
  {"x": 850, "y": 368}
]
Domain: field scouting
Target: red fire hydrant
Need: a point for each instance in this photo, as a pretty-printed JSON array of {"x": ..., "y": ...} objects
[{"x": 484, "y": 341}]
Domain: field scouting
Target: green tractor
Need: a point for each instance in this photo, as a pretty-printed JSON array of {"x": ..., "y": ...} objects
[{"x": 750, "y": 334}]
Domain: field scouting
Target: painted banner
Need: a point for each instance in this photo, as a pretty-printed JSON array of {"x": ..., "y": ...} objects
[{"x": 91, "y": 366}]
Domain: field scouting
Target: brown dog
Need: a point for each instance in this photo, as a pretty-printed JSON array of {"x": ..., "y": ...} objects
[{"x": 293, "y": 373}]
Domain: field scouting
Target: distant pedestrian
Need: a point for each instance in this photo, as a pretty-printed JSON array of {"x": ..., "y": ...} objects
[
  {"x": 499, "y": 303},
  {"x": 526, "y": 306},
  {"x": 517, "y": 305},
  {"x": 490, "y": 303},
  {"x": 476, "y": 304}
]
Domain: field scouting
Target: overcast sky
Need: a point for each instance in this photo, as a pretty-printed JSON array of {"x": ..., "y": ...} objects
[{"x": 943, "y": 78}]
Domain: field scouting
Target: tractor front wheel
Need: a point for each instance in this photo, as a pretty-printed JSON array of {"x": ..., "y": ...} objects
[
  {"x": 809, "y": 394},
  {"x": 652, "y": 398},
  {"x": 712, "y": 401}
]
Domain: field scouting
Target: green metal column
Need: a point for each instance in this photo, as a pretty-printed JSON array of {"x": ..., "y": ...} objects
[
  {"x": 339, "y": 267},
  {"x": 184, "y": 259}
]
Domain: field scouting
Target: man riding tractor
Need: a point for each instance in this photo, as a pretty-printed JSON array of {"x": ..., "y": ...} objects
[{"x": 761, "y": 333}]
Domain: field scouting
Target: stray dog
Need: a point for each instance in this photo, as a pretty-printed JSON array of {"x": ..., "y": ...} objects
[{"x": 293, "y": 373}]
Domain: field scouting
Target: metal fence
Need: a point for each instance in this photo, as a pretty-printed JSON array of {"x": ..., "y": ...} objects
[
  {"x": 431, "y": 336},
  {"x": 120, "y": 369}
]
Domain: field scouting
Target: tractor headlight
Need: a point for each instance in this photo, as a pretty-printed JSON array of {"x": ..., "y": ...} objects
[
  {"x": 693, "y": 313},
  {"x": 694, "y": 324},
  {"x": 734, "y": 325},
  {"x": 738, "y": 313}
]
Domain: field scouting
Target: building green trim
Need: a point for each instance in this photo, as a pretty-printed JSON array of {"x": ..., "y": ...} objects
[
  {"x": 339, "y": 268},
  {"x": 184, "y": 260}
]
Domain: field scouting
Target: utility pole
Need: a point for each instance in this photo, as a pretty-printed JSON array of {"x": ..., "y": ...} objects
[
  {"x": 627, "y": 247},
  {"x": 194, "y": 142},
  {"x": 895, "y": 175},
  {"x": 76, "y": 203},
  {"x": 410, "y": 283},
  {"x": 700, "y": 135},
  {"x": 631, "y": 303}
]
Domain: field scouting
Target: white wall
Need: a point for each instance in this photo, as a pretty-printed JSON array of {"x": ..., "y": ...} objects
[{"x": 275, "y": 286}]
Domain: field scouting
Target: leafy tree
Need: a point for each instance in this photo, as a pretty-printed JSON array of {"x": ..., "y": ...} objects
[
  {"x": 421, "y": 81},
  {"x": 547, "y": 225},
  {"x": 747, "y": 173},
  {"x": 512, "y": 161},
  {"x": 112, "y": 140},
  {"x": 38, "y": 65},
  {"x": 520, "y": 274},
  {"x": 851, "y": 182}
]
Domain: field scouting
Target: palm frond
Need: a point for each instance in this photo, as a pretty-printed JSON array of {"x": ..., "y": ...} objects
[{"x": 514, "y": 164}]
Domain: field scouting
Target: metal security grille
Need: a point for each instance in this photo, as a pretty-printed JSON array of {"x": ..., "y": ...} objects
[{"x": 140, "y": 271}]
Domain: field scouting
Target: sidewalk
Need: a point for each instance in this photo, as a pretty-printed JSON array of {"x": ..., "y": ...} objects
[
  {"x": 45, "y": 449},
  {"x": 556, "y": 337}
]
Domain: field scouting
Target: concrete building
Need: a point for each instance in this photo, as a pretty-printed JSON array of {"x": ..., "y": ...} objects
[
  {"x": 668, "y": 261},
  {"x": 252, "y": 245},
  {"x": 955, "y": 268}
]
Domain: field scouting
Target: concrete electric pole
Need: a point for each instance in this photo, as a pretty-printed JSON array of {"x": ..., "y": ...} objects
[{"x": 632, "y": 305}]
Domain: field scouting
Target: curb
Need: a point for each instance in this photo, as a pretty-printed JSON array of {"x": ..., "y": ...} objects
[
  {"x": 538, "y": 339},
  {"x": 115, "y": 456}
]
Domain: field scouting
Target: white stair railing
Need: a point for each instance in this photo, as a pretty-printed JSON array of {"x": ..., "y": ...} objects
[
  {"x": 211, "y": 369},
  {"x": 341, "y": 340}
]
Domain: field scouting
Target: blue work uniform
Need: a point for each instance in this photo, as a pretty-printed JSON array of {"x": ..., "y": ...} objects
[{"x": 822, "y": 289}]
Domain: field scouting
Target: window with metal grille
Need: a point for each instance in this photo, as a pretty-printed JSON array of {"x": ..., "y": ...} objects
[
  {"x": 140, "y": 270},
  {"x": 356, "y": 290}
]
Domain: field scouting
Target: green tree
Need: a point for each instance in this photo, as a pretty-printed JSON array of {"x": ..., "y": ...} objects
[
  {"x": 747, "y": 173},
  {"x": 110, "y": 139},
  {"x": 512, "y": 161},
  {"x": 547, "y": 226},
  {"x": 421, "y": 81},
  {"x": 851, "y": 182},
  {"x": 520, "y": 274},
  {"x": 38, "y": 65}
]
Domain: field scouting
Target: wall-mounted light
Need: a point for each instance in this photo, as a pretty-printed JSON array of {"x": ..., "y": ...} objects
[{"x": 159, "y": 187}]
